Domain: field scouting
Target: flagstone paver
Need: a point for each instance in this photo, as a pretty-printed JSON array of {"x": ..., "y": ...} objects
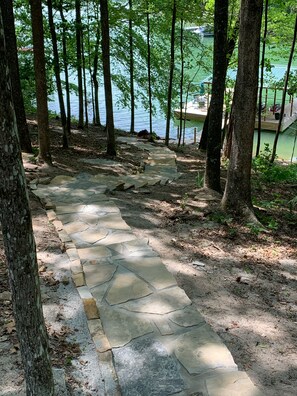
[{"x": 149, "y": 337}]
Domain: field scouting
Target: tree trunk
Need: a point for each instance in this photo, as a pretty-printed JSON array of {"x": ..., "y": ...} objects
[
  {"x": 12, "y": 59},
  {"x": 169, "y": 96},
  {"x": 111, "y": 146},
  {"x": 284, "y": 94},
  {"x": 237, "y": 196},
  {"x": 80, "y": 124},
  {"x": 97, "y": 120},
  {"x": 230, "y": 49},
  {"x": 84, "y": 81},
  {"x": 65, "y": 64},
  {"x": 131, "y": 59},
  {"x": 181, "y": 84},
  {"x": 40, "y": 80},
  {"x": 19, "y": 245},
  {"x": 148, "y": 34},
  {"x": 213, "y": 157},
  {"x": 57, "y": 73},
  {"x": 262, "y": 78}
]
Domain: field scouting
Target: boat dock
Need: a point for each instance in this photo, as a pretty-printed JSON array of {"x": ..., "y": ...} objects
[{"x": 197, "y": 112}]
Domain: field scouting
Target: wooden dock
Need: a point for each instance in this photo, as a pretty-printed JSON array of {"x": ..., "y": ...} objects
[{"x": 196, "y": 112}]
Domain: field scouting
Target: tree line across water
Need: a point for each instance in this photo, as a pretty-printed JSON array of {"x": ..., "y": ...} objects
[{"x": 143, "y": 48}]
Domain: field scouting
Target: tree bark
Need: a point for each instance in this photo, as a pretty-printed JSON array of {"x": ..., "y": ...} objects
[
  {"x": 65, "y": 64},
  {"x": 169, "y": 95},
  {"x": 12, "y": 59},
  {"x": 19, "y": 245},
  {"x": 95, "y": 78},
  {"x": 40, "y": 81},
  {"x": 237, "y": 196},
  {"x": 80, "y": 124},
  {"x": 111, "y": 146},
  {"x": 148, "y": 34},
  {"x": 131, "y": 69},
  {"x": 213, "y": 157},
  {"x": 58, "y": 73}
]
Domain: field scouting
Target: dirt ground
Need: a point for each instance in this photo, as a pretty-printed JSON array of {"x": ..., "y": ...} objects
[{"x": 241, "y": 279}]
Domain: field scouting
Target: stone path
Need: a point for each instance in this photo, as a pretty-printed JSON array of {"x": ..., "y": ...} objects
[{"x": 149, "y": 337}]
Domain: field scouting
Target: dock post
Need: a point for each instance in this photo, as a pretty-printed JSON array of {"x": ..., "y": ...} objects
[{"x": 195, "y": 135}]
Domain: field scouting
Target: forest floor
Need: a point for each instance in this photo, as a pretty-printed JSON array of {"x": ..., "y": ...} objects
[{"x": 242, "y": 279}]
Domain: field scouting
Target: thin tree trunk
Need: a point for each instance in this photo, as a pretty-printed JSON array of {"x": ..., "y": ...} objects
[
  {"x": 132, "y": 93},
  {"x": 79, "y": 65},
  {"x": 97, "y": 120},
  {"x": 111, "y": 145},
  {"x": 273, "y": 155},
  {"x": 65, "y": 64},
  {"x": 213, "y": 158},
  {"x": 12, "y": 59},
  {"x": 40, "y": 80},
  {"x": 84, "y": 81},
  {"x": 181, "y": 85},
  {"x": 262, "y": 78},
  {"x": 57, "y": 73},
  {"x": 172, "y": 54},
  {"x": 149, "y": 69},
  {"x": 19, "y": 245}
]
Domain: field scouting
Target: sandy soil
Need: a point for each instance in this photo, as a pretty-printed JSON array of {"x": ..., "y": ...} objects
[{"x": 242, "y": 280}]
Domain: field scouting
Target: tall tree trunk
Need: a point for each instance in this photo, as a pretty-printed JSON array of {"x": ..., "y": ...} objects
[
  {"x": 172, "y": 54},
  {"x": 65, "y": 64},
  {"x": 213, "y": 157},
  {"x": 237, "y": 196},
  {"x": 19, "y": 245},
  {"x": 262, "y": 77},
  {"x": 181, "y": 84},
  {"x": 131, "y": 69},
  {"x": 84, "y": 81},
  {"x": 57, "y": 73},
  {"x": 148, "y": 34},
  {"x": 111, "y": 145},
  {"x": 284, "y": 94},
  {"x": 40, "y": 80},
  {"x": 230, "y": 49},
  {"x": 97, "y": 120},
  {"x": 80, "y": 124},
  {"x": 12, "y": 59}
]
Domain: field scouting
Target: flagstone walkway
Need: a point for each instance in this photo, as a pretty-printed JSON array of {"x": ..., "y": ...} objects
[{"x": 149, "y": 337}]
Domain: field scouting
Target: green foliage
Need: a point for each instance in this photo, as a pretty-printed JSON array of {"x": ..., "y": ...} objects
[
  {"x": 221, "y": 218},
  {"x": 273, "y": 172},
  {"x": 200, "y": 179}
]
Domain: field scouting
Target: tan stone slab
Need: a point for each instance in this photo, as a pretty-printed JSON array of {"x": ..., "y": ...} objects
[
  {"x": 232, "y": 384},
  {"x": 187, "y": 317},
  {"x": 137, "y": 244},
  {"x": 72, "y": 254},
  {"x": 113, "y": 222},
  {"x": 151, "y": 269},
  {"x": 79, "y": 279},
  {"x": 58, "y": 225},
  {"x": 121, "y": 326},
  {"x": 69, "y": 208},
  {"x": 116, "y": 238},
  {"x": 90, "y": 235},
  {"x": 68, "y": 217},
  {"x": 101, "y": 342},
  {"x": 75, "y": 226},
  {"x": 51, "y": 215},
  {"x": 99, "y": 292},
  {"x": 127, "y": 286},
  {"x": 62, "y": 179},
  {"x": 163, "y": 327},
  {"x": 91, "y": 308},
  {"x": 97, "y": 274},
  {"x": 64, "y": 236},
  {"x": 162, "y": 302},
  {"x": 88, "y": 218},
  {"x": 94, "y": 253},
  {"x": 106, "y": 207},
  {"x": 201, "y": 351},
  {"x": 76, "y": 267}
]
